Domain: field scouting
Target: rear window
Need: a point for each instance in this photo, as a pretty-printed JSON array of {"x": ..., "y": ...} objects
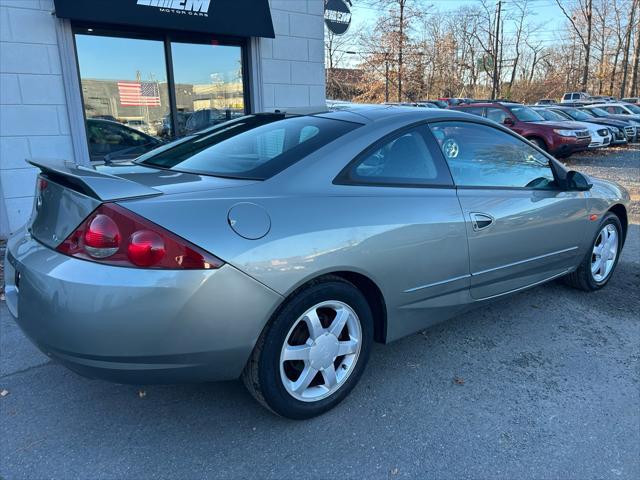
[{"x": 251, "y": 147}]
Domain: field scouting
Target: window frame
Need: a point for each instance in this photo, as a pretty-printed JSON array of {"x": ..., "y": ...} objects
[
  {"x": 344, "y": 177},
  {"x": 552, "y": 162},
  {"x": 166, "y": 37}
]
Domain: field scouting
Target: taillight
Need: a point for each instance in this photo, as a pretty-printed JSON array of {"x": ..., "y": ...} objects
[
  {"x": 145, "y": 248},
  {"x": 116, "y": 236},
  {"x": 101, "y": 237}
]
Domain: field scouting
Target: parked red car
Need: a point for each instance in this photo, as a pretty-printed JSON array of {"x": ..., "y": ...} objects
[{"x": 556, "y": 139}]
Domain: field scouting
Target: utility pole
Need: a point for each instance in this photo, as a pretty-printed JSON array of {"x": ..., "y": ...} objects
[
  {"x": 401, "y": 4},
  {"x": 494, "y": 89},
  {"x": 627, "y": 47},
  {"x": 386, "y": 77}
]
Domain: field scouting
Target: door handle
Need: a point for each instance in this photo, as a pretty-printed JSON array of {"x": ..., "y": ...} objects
[{"x": 480, "y": 221}]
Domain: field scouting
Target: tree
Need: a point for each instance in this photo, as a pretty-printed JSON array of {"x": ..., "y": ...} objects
[
  {"x": 584, "y": 12},
  {"x": 627, "y": 47}
]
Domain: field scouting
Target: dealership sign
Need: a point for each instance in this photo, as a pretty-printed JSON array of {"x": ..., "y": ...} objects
[
  {"x": 183, "y": 7},
  {"x": 337, "y": 15},
  {"x": 217, "y": 17}
]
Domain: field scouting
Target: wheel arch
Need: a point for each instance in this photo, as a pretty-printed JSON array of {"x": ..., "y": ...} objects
[
  {"x": 375, "y": 299},
  {"x": 364, "y": 283},
  {"x": 620, "y": 211},
  {"x": 539, "y": 138}
]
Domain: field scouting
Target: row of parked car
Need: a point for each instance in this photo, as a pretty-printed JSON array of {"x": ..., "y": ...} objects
[{"x": 560, "y": 129}]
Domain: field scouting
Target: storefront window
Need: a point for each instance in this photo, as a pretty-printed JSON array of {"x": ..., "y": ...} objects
[
  {"x": 128, "y": 92},
  {"x": 208, "y": 84},
  {"x": 124, "y": 87}
]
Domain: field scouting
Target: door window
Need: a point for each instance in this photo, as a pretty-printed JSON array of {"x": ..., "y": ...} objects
[
  {"x": 496, "y": 114},
  {"x": 483, "y": 156},
  {"x": 474, "y": 110},
  {"x": 404, "y": 160}
]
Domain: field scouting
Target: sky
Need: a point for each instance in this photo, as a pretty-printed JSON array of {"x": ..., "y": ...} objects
[
  {"x": 113, "y": 58},
  {"x": 547, "y": 14}
]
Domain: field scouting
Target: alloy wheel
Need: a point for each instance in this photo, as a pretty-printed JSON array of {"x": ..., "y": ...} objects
[
  {"x": 320, "y": 351},
  {"x": 605, "y": 252}
]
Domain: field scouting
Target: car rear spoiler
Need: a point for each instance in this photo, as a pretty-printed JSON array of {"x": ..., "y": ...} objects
[{"x": 91, "y": 182}]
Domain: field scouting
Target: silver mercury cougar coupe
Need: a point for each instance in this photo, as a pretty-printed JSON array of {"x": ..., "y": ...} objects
[{"x": 278, "y": 247}]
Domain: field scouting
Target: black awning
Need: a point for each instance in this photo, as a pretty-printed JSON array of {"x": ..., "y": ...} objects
[{"x": 243, "y": 18}]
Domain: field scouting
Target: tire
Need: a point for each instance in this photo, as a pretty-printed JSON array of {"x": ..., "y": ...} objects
[
  {"x": 538, "y": 143},
  {"x": 272, "y": 381},
  {"x": 584, "y": 278}
]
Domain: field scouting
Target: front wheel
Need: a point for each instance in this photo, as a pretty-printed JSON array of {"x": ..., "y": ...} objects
[
  {"x": 596, "y": 269},
  {"x": 538, "y": 143},
  {"x": 314, "y": 351}
]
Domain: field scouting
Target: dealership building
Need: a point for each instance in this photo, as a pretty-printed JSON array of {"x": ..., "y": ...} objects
[{"x": 105, "y": 80}]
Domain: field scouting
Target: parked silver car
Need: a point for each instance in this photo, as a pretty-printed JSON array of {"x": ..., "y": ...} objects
[{"x": 278, "y": 247}]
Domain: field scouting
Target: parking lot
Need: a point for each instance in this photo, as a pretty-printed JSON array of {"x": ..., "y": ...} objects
[{"x": 545, "y": 384}]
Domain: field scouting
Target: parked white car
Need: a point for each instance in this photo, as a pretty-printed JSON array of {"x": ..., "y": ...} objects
[{"x": 575, "y": 97}]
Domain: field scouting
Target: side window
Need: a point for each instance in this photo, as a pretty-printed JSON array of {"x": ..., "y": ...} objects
[
  {"x": 567, "y": 96},
  {"x": 474, "y": 110},
  {"x": 496, "y": 114},
  {"x": 483, "y": 156},
  {"x": 403, "y": 160}
]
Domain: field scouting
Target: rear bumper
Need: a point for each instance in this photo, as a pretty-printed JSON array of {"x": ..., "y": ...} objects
[{"x": 135, "y": 325}]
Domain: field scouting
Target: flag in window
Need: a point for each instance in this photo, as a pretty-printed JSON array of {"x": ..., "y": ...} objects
[{"x": 139, "y": 94}]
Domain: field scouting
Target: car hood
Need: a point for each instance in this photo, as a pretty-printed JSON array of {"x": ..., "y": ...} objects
[
  {"x": 609, "y": 191},
  {"x": 609, "y": 121},
  {"x": 571, "y": 125},
  {"x": 553, "y": 124},
  {"x": 623, "y": 118}
]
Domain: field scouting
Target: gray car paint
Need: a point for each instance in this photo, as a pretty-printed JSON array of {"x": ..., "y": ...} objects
[{"x": 415, "y": 244}]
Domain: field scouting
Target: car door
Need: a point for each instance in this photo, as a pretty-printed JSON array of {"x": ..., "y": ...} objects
[
  {"x": 522, "y": 229},
  {"x": 402, "y": 187}
]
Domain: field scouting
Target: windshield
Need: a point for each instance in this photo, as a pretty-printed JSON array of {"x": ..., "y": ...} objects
[
  {"x": 577, "y": 114},
  {"x": 549, "y": 115},
  {"x": 635, "y": 109},
  {"x": 251, "y": 147},
  {"x": 598, "y": 112},
  {"x": 526, "y": 114}
]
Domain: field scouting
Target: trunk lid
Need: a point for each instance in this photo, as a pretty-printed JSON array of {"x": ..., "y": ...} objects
[{"x": 67, "y": 193}]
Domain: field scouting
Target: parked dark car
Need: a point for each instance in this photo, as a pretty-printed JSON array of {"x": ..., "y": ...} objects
[
  {"x": 601, "y": 112},
  {"x": 439, "y": 103},
  {"x": 451, "y": 101},
  {"x": 581, "y": 115},
  {"x": 553, "y": 138},
  {"x": 546, "y": 101},
  {"x": 114, "y": 141}
]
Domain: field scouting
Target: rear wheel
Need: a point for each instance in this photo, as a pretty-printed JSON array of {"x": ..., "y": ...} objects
[
  {"x": 596, "y": 269},
  {"x": 314, "y": 352}
]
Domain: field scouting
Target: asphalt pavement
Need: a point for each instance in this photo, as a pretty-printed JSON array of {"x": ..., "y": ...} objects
[{"x": 542, "y": 385}]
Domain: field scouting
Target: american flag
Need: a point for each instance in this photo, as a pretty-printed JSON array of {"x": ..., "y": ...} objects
[{"x": 139, "y": 94}]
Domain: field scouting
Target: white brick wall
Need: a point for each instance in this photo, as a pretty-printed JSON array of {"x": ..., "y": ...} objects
[
  {"x": 293, "y": 63},
  {"x": 33, "y": 114}
]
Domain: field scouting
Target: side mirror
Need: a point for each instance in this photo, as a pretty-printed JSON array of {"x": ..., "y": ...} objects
[
  {"x": 577, "y": 181},
  {"x": 508, "y": 121}
]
